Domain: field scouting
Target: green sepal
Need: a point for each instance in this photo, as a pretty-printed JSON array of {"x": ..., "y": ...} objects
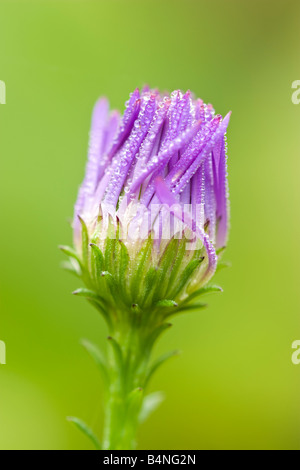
[
  {"x": 98, "y": 305},
  {"x": 112, "y": 285},
  {"x": 96, "y": 354},
  {"x": 83, "y": 292},
  {"x": 150, "y": 404},
  {"x": 110, "y": 246},
  {"x": 165, "y": 264},
  {"x": 166, "y": 303},
  {"x": 139, "y": 269},
  {"x": 86, "y": 430},
  {"x": 204, "y": 290},
  {"x": 117, "y": 351},
  {"x": 96, "y": 301},
  {"x": 84, "y": 242},
  {"x": 149, "y": 284},
  {"x": 181, "y": 249},
  {"x": 68, "y": 266},
  {"x": 222, "y": 265},
  {"x": 97, "y": 261},
  {"x": 156, "y": 364},
  {"x": 123, "y": 257},
  {"x": 186, "y": 275},
  {"x": 186, "y": 308},
  {"x": 156, "y": 333},
  {"x": 67, "y": 250},
  {"x": 219, "y": 251}
]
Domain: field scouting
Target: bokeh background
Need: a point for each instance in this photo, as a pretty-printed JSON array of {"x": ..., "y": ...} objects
[{"x": 234, "y": 386}]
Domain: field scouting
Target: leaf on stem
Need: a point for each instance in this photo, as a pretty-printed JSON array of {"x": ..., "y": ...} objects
[
  {"x": 117, "y": 351},
  {"x": 190, "y": 307},
  {"x": 140, "y": 267},
  {"x": 222, "y": 265},
  {"x": 85, "y": 242},
  {"x": 186, "y": 275},
  {"x": 96, "y": 354},
  {"x": 83, "y": 292},
  {"x": 97, "y": 261},
  {"x": 202, "y": 291},
  {"x": 67, "y": 250},
  {"x": 150, "y": 404},
  {"x": 166, "y": 303},
  {"x": 68, "y": 266},
  {"x": 156, "y": 334},
  {"x": 161, "y": 360},
  {"x": 86, "y": 430},
  {"x": 97, "y": 301},
  {"x": 165, "y": 264}
]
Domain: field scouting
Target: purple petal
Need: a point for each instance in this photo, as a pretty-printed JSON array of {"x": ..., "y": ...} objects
[
  {"x": 111, "y": 130},
  {"x": 130, "y": 150},
  {"x": 130, "y": 115},
  {"x": 221, "y": 194},
  {"x": 151, "y": 143},
  {"x": 209, "y": 200},
  {"x": 198, "y": 197},
  {"x": 159, "y": 161},
  {"x": 95, "y": 153},
  {"x": 166, "y": 197},
  {"x": 186, "y": 171}
]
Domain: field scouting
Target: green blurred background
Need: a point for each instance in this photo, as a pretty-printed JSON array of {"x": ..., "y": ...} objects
[{"x": 234, "y": 386}]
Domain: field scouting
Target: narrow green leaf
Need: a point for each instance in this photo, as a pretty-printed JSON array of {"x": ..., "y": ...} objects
[
  {"x": 202, "y": 291},
  {"x": 97, "y": 261},
  {"x": 157, "y": 332},
  {"x": 68, "y": 266},
  {"x": 110, "y": 246},
  {"x": 123, "y": 265},
  {"x": 149, "y": 285},
  {"x": 165, "y": 266},
  {"x": 97, "y": 301},
  {"x": 140, "y": 266},
  {"x": 101, "y": 307},
  {"x": 86, "y": 430},
  {"x": 85, "y": 242},
  {"x": 83, "y": 292},
  {"x": 166, "y": 303},
  {"x": 117, "y": 351},
  {"x": 187, "y": 308},
  {"x": 108, "y": 254},
  {"x": 67, "y": 250},
  {"x": 186, "y": 275},
  {"x": 112, "y": 285},
  {"x": 177, "y": 263},
  {"x": 124, "y": 259},
  {"x": 96, "y": 354},
  {"x": 161, "y": 360},
  {"x": 222, "y": 265},
  {"x": 220, "y": 250},
  {"x": 150, "y": 404}
]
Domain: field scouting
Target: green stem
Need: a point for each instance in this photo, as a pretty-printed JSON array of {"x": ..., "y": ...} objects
[{"x": 125, "y": 397}]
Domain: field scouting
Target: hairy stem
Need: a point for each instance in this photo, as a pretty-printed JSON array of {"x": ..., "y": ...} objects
[{"x": 128, "y": 361}]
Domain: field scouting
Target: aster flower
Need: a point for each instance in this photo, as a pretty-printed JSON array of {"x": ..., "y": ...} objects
[{"x": 150, "y": 219}]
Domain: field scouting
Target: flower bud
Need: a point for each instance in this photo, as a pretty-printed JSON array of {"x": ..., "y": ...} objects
[{"x": 152, "y": 211}]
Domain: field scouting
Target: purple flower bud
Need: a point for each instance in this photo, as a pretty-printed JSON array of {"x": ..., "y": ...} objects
[{"x": 158, "y": 171}]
